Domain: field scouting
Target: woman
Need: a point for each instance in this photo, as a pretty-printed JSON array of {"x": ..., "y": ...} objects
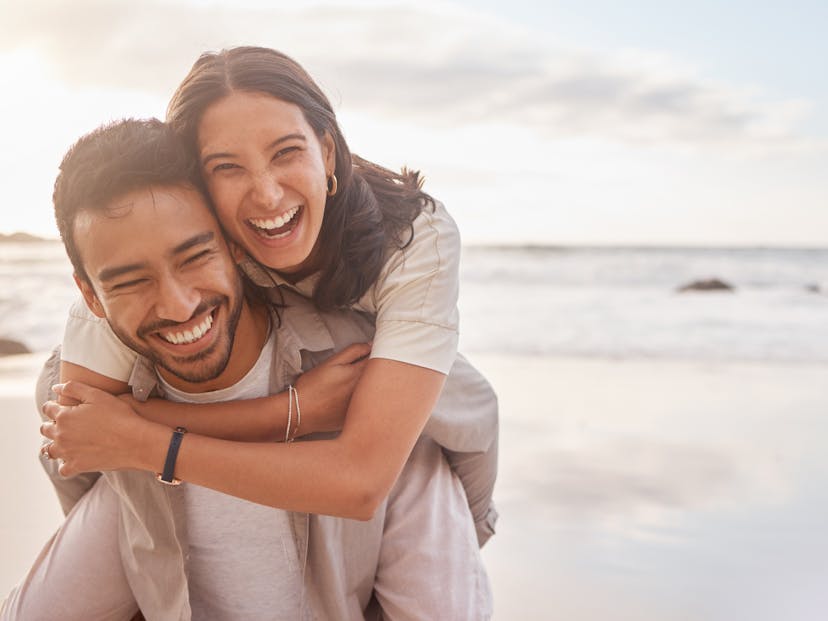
[{"x": 348, "y": 234}]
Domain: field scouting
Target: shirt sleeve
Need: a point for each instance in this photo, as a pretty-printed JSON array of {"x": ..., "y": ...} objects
[
  {"x": 88, "y": 341},
  {"x": 415, "y": 297}
]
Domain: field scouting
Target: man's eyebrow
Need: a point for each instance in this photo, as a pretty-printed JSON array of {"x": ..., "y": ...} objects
[
  {"x": 195, "y": 240},
  {"x": 278, "y": 141},
  {"x": 113, "y": 272}
]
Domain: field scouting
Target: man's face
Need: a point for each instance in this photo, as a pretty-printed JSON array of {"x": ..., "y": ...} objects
[{"x": 162, "y": 275}]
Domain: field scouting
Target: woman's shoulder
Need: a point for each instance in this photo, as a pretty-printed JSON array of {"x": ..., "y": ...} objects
[
  {"x": 434, "y": 241},
  {"x": 435, "y": 217},
  {"x": 421, "y": 277}
]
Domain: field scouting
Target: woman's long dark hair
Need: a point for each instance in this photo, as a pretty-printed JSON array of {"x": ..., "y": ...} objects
[{"x": 373, "y": 207}]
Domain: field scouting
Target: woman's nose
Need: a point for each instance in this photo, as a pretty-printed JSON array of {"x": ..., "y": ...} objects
[{"x": 267, "y": 191}]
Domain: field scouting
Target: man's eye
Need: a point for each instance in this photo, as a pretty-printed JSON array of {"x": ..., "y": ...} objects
[
  {"x": 198, "y": 256},
  {"x": 129, "y": 283}
]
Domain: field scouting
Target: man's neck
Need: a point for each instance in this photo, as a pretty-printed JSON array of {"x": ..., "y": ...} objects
[{"x": 251, "y": 334}]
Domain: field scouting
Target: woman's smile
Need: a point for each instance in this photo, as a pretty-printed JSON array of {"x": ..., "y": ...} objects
[{"x": 277, "y": 227}]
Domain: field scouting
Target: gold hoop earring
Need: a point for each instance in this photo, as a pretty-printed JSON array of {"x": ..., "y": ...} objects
[{"x": 332, "y": 185}]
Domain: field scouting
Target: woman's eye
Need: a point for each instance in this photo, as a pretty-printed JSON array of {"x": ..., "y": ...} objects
[
  {"x": 225, "y": 166},
  {"x": 285, "y": 151}
]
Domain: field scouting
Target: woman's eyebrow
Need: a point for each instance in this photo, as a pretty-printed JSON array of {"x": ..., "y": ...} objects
[{"x": 278, "y": 141}]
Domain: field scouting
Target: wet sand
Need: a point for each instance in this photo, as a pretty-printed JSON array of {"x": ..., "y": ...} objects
[
  {"x": 653, "y": 491},
  {"x": 30, "y": 510},
  {"x": 660, "y": 491}
]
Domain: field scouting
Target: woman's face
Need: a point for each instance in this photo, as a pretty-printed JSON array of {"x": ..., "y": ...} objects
[{"x": 266, "y": 170}]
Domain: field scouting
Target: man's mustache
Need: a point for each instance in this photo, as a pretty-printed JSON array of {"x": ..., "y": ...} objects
[{"x": 161, "y": 324}]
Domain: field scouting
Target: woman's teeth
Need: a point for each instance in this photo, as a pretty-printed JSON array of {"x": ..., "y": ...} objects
[
  {"x": 189, "y": 336},
  {"x": 270, "y": 225}
]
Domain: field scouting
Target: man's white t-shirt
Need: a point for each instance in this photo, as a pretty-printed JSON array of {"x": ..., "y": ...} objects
[{"x": 242, "y": 560}]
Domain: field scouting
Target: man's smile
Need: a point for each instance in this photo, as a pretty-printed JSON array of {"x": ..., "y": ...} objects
[{"x": 188, "y": 335}]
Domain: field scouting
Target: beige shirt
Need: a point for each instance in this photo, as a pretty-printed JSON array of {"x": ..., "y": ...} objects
[
  {"x": 339, "y": 558},
  {"x": 414, "y": 307},
  {"x": 414, "y": 299}
]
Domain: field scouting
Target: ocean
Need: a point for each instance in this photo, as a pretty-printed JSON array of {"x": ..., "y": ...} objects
[{"x": 616, "y": 303}]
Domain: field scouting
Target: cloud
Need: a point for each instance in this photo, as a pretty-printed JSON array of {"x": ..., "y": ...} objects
[{"x": 430, "y": 63}]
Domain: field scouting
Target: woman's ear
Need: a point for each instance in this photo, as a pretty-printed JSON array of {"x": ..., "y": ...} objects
[
  {"x": 89, "y": 296},
  {"x": 329, "y": 153}
]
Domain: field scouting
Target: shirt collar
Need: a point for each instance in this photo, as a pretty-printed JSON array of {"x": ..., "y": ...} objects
[
  {"x": 301, "y": 329},
  {"x": 267, "y": 278}
]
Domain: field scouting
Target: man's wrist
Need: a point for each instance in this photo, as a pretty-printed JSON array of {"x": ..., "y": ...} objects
[
  {"x": 151, "y": 450},
  {"x": 167, "y": 475}
]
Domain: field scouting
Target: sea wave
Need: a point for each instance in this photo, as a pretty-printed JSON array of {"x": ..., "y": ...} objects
[{"x": 590, "y": 302}]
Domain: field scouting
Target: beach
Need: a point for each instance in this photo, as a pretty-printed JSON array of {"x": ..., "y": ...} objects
[
  {"x": 31, "y": 511},
  {"x": 660, "y": 491},
  {"x": 629, "y": 489}
]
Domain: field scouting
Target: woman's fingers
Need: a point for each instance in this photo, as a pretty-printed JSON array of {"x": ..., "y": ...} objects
[
  {"x": 351, "y": 354},
  {"x": 47, "y": 430},
  {"x": 51, "y": 409},
  {"x": 358, "y": 367},
  {"x": 66, "y": 470},
  {"x": 78, "y": 391}
]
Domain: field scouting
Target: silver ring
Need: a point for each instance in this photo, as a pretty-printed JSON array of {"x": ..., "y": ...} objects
[{"x": 45, "y": 450}]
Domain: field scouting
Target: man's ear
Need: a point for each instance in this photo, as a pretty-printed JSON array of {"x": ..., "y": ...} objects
[{"x": 89, "y": 296}]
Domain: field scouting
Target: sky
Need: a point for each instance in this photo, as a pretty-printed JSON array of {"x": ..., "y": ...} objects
[{"x": 596, "y": 122}]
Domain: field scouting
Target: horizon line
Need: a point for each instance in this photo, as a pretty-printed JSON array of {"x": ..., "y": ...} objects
[{"x": 547, "y": 246}]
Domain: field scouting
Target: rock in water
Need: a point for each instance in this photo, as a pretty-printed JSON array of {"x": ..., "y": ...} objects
[
  {"x": 711, "y": 284},
  {"x": 9, "y": 347}
]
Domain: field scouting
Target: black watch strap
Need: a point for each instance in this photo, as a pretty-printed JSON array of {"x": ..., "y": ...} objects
[{"x": 168, "y": 475}]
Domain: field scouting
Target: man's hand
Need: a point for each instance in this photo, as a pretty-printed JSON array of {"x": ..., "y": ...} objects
[{"x": 325, "y": 391}]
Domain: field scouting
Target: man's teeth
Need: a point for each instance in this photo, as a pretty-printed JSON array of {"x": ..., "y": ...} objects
[
  {"x": 275, "y": 223},
  {"x": 189, "y": 336}
]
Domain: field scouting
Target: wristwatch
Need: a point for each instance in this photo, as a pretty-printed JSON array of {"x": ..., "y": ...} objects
[{"x": 167, "y": 476}]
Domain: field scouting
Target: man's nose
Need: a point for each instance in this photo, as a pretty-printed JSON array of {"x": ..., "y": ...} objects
[
  {"x": 177, "y": 300},
  {"x": 267, "y": 190}
]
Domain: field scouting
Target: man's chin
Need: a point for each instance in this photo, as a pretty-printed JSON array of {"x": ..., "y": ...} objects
[{"x": 201, "y": 367}]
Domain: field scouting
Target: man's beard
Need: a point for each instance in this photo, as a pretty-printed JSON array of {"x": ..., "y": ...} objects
[{"x": 202, "y": 366}]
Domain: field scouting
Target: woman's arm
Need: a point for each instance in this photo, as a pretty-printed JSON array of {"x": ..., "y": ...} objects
[
  {"x": 324, "y": 393},
  {"x": 414, "y": 347},
  {"x": 348, "y": 476}
]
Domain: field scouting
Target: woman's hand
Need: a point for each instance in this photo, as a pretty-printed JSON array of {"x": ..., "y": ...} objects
[
  {"x": 325, "y": 391},
  {"x": 100, "y": 433}
]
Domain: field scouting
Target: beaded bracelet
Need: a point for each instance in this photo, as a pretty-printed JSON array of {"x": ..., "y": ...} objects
[{"x": 292, "y": 394}]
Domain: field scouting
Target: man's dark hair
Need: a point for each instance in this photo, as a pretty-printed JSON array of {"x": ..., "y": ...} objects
[{"x": 112, "y": 161}]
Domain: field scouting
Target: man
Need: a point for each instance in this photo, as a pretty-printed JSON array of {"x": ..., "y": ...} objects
[{"x": 187, "y": 551}]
